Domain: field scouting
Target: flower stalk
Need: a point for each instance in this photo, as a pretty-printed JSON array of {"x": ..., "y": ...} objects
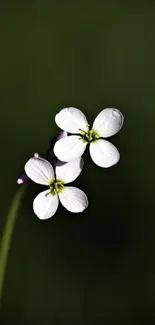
[{"x": 7, "y": 235}]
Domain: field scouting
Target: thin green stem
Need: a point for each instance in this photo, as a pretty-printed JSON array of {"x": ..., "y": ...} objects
[{"x": 7, "y": 234}]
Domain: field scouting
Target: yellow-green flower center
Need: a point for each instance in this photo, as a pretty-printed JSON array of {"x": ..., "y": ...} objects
[
  {"x": 89, "y": 135},
  {"x": 56, "y": 186}
]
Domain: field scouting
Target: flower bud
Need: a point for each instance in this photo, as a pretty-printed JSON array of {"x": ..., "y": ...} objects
[
  {"x": 38, "y": 155},
  {"x": 58, "y": 136},
  {"x": 23, "y": 178}
]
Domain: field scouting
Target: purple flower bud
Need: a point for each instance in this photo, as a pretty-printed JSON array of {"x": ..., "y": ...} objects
[
  {"x": 61, "y": 134},
  {"x": 23, "y": 178},
  {"x": 58, "y": 136},
  {"x": 38, "y": 155}
]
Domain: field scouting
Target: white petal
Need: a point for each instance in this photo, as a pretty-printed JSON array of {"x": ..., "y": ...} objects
[
  {"x": 68, "y": 172},
  {"x": 73, "y": 199},
  {"x": 71, "y": 120},
  {"x": 108, "y": 122},
  {"x": 45, "y": 205},
  {"x": 69, "y": 148},
  {"x": 104, "y": 153},
  {"x": 39, "y": 170}
]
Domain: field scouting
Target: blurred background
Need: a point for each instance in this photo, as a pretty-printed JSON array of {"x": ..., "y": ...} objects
[{"x": 97, "y": 267}]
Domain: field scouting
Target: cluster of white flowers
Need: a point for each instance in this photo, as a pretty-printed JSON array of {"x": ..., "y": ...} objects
[{"x": 68, "y": 149}]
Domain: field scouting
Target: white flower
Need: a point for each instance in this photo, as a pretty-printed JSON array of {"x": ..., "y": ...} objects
[
  {"x": 46, "y": 203},
  {"x": 107, "y": 123}
]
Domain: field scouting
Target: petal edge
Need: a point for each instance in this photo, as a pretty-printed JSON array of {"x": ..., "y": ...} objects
[
  {"x": 45, "y": 205},
  {"x": 71, "y": 120},
  {"x": 73, "y": 199},
  {"x": 68, "y": 172},
  {"x": 104, "y": 153},
  {"x": 69, "y": 148},
  {"x": 39, "y": 170},
  {"x": 108, "y": 122}
]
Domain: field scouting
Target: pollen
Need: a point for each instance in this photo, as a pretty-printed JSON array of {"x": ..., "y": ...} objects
[
  {"x": 56, "y": 186},
  {"x": 89, "y": 135}
]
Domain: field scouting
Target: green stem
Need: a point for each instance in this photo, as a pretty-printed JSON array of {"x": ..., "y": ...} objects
[{"x": 7, "y": 234}]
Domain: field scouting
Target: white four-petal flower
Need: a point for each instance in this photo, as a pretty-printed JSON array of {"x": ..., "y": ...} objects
[
  {"x": 108, "y": 122},
  {"x": 46, "y": 203}
]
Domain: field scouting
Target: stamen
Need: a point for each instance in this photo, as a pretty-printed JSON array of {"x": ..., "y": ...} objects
[
  {"x": 89, "y": 135},
  {"x": 56, "y": 186}
]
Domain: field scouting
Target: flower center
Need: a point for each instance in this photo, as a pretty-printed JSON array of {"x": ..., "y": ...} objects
[
  {"x": 89, "y": 135},
  {"x": 56, "y": 186}
]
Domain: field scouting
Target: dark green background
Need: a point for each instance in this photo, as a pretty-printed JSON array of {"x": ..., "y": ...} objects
[{"x": 97, "y": 267}]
